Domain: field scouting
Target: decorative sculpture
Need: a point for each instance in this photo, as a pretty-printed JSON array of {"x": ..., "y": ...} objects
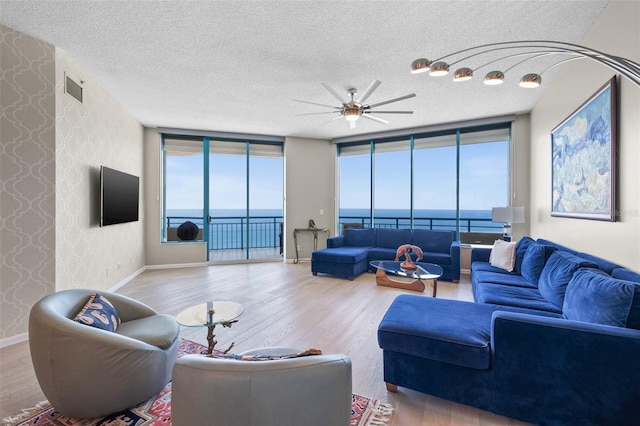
[
  {"x": 312, "y": 224},
  {"x": 406, "y": 250}
]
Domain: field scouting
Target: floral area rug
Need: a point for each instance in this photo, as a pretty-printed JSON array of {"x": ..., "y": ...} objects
[{"x": 157, "y": 410}]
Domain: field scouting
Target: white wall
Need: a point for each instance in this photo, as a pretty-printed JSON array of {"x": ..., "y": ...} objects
[
  {"x": 157, "y": 252},
  {"x": 310, "y": 187},
  {"x": 97, "y": 132},
  {"x": 617, "y": 32},
  {"x": 27, "y": 177}
]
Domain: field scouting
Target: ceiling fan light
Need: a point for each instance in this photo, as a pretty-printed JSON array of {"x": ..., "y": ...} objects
[
  {"x": 494, "y": 78},
  {"x": 439, "y": 69},
  {"x": 420, "y": 65},
  {"x": 352, "y": 114},
  {"x": 531, "y": 81},
  {"x": 463, "y": 74}
]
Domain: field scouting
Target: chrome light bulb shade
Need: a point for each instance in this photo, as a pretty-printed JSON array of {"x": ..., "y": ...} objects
[
  {"x": 463, "y": 74},
  {"x": 420, "y": 65},
  {"x": 493, "y": 78},
  {"x": 439, "y": 69},
  {"x": 531, "y": 81}
]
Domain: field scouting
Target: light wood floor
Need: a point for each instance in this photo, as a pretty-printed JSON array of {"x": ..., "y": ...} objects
[{"x": 284, "y": 305}]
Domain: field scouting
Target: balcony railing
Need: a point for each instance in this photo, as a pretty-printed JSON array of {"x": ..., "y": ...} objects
[{"x": 230, "y": 233}]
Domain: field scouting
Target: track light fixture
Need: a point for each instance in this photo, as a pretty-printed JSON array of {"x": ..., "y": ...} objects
[{"x": 529, "y": 49}]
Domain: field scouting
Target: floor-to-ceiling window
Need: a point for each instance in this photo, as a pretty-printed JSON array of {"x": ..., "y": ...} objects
[
  {"x": 445, "y": 179},
  {"x": 236, "y": 194}
]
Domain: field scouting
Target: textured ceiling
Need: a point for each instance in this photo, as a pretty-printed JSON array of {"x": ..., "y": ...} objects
[{"x": 236, "y": 66}]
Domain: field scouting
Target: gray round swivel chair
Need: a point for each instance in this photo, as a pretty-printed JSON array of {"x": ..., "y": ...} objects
[{"x": 87, "y": 372}]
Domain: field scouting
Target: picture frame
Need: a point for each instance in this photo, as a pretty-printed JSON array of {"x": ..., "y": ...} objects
[{"x": 583, "y": 159}]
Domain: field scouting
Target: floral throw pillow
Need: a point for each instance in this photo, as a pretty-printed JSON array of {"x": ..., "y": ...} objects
[{"x": 99, "y": 312}]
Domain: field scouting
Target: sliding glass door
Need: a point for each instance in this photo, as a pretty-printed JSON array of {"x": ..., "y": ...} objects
[{"x": 234, "y": 194}]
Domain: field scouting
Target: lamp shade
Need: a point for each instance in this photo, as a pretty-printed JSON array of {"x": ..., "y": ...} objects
[{"x": 508, "y": 214}]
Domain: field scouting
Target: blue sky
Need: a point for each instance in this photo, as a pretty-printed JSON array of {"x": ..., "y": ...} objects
[{"x": 483, "y": 180}]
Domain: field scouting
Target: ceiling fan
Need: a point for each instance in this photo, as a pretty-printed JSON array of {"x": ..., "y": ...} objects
[{"x": 354, "y": 109}]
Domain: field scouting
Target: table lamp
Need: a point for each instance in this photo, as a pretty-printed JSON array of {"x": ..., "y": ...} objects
[{"x": 507, "y": 215}]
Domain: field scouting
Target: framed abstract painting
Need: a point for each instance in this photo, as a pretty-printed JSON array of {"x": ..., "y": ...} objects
[{"x": 583, "y": 159}]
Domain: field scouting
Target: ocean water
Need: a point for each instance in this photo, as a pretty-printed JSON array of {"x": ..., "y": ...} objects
[{"x": 228, "y": 228}]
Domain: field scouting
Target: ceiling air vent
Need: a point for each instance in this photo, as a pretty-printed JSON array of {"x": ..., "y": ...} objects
[{"x": 72, "y": 88}]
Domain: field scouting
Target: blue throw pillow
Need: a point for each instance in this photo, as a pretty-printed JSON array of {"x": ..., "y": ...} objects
[
  {"x": 99, "y": 312},
  {"x": 557, "y": 273},
  {"x": 533, "y": 261},
  {"x": 521, "y": 248},
  {"x": 593, "y": 296}
]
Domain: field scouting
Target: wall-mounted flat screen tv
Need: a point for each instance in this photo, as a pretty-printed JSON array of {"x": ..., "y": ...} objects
[{"x": 119, "y": 194}]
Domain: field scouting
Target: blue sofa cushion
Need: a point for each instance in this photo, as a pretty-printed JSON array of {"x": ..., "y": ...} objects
[
  {"x": 521, "y": 248},
  {"x": 557, "y": 273},
  {"x": 508, "y": 295},
  {"x": 486, "y": 266},
  {"x": 392, "y": 238},
  {"x": 625, "y": 274},
  {"x": 450, "y": 331},
  {"x": 378, "y": 253},
  {"x": 593, "y": 296},
  {"x": 533, "y": 261},
  {"x": 483, "y": 276},
  {"x": 360, "y": 237},
  {"x": 437, "y": 258},
  {"x": 433, "y": 241},
  {"x": 600, "y": 263},
  {"x": 341, "y": 255}
]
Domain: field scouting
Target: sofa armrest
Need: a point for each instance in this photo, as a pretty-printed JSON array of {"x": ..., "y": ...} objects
[
  {"x": 454, "y": 251},
  {"x": 480, "y": 254},
  {"x": 335, "y": 242},
  {"x": 568, "y": 371}
]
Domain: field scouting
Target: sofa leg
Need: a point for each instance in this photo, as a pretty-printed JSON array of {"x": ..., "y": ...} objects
[
  {"x": 315, "y": 274},
  {"x": 455, "y": 281},
  {"x": 391, "y": 387}
]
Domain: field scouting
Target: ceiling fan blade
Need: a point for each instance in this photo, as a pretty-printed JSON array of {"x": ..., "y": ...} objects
[
  {"x": 319, "y": 113},
  {"x": 352, "y": 124},
  {"x": 334, "y": 118},
  {"x": 334, "y": 93},
  {"x": 388, "y": 101},
  {"x": 391, "y": 112},
  {"x": 372, "y": 87},
  {"x": 371, "y": 117},
  {"x": 315, "y": 103}
]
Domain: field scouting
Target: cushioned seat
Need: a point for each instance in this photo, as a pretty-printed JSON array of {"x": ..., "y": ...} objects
[
  {"x": 341, "y": 254},
  {"x": 88, "y": 372},
  {"x": 311, "y": 390},
  {"x": 500, "y": 294}
]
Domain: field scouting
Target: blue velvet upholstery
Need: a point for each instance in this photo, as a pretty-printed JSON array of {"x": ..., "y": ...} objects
[
  {"x": 521, "y": 248},
  {"x": 625, "y": 274},
  {"x": 360, "y": 237},
  {"x": 595, "y": 297},
  {"x": 392, "y": 238},
  {"x": 343, "y": 256},
  {"x": 516, "y": 352},
  {"x": 557, "y": 273},
  {"x": 533, "y": 261}
]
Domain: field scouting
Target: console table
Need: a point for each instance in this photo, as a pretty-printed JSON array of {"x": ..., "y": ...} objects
[{"x": 315, "y": 238}]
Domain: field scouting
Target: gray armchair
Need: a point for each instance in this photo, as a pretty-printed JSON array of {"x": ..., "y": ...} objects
[
  {"x": 313, "y": 390},
  {"x": 87, "y": 372}
]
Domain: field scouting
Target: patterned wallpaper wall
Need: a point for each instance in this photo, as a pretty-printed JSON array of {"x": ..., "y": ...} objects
[
  {"x": 27, "y": 177},
  {"x": 90, "y": 134}
]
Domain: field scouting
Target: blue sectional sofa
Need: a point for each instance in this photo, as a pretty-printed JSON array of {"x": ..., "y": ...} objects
[
  {"x": 555, "y": 341},
  {"x": 348, "y": 255}
]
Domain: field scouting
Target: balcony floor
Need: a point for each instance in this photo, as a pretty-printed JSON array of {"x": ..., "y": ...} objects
[{"x": 268, "y": 254}]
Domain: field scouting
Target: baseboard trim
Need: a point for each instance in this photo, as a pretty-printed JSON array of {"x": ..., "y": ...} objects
[
  {"x": 177, "y": 265},
  {"x": 14, "y": 340}
]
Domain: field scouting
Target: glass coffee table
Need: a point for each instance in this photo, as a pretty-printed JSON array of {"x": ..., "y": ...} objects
[
  {"x": 424, "y": 272},
  {"x": 209, "y": 315}
]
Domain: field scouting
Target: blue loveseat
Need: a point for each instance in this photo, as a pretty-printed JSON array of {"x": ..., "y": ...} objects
[
  {"x": 554, "y": 341},
  {"x": 348, "y": 255}
]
